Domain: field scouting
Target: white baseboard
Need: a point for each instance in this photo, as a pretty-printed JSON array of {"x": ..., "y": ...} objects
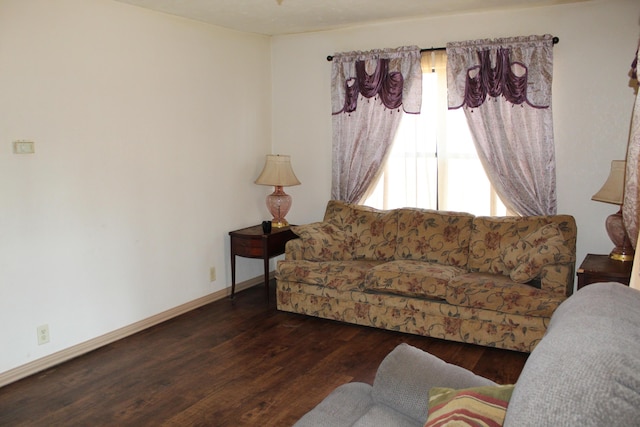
[{"x": 54, "y": 359}]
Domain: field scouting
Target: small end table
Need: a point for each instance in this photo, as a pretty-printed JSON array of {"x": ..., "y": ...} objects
[
  {"x": 601, "y": 268},
  {"x": 252, "y": 242}
]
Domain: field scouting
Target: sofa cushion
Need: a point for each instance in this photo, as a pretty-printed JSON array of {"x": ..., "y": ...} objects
[
  {"x": 434, "y": 236},
  {"x": 491, "y": 235},
  {"x": 371, "y": 233},
  {"x": 525, "y": 258},
  {"x": 411, "y": 278},
  {"x": 322, "y": 241},
  {"x": 500, "y": 293},
  {"x": 475, "y": 406},
  {"x": 331, "y": 274}
]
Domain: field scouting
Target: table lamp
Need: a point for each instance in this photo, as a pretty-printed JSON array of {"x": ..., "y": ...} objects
[
  {"x": 279, "y": 173},
  {"x": 613, "y": 192}
]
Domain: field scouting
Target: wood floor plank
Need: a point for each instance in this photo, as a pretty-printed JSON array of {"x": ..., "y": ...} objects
[{"x": 230, "y": 363}]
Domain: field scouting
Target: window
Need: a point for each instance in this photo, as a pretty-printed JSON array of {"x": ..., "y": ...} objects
[{"x": 433, "y": 163}]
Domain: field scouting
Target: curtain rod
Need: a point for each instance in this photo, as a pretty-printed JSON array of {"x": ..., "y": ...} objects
[{"x": 556, "y": 40}]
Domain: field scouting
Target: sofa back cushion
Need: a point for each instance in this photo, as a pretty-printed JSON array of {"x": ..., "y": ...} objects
[
  {"x": 370, "y": 233},
  {"x": 434, "y": 236},
  {"x": 491, "y": 236}
]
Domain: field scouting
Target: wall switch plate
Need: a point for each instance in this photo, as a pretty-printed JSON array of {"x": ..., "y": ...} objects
[
  {"x": 212, "y": 274},
  {"x": 24, "y": 147}
]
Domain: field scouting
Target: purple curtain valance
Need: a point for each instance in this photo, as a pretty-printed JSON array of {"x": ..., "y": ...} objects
[
  {"x": 392, "y": 75},
  {"x": 501, "y": 67},
  {"x": 485, "y": 80},
  {"x": 380, "y": 83}
]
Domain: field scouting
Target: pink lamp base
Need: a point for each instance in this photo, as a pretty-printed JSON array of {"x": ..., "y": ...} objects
[
  {"x": 279, "y": 204},
  {"x": 623, "y": 251}
]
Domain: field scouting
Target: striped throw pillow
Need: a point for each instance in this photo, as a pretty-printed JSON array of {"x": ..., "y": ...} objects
[{"x": 477, "y": 406}]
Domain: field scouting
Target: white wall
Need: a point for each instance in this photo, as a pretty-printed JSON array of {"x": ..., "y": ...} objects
[
  {"x": 149, "y": 131},
  {"x": 592, "y": 100}
]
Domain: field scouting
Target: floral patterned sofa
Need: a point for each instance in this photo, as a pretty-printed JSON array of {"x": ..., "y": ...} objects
[{"x": 493, "y": 281}]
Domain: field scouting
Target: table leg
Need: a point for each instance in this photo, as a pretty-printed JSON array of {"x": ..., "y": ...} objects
[
  {"x": 233, "y": 275},
  {"x": 265, "y": 252}
]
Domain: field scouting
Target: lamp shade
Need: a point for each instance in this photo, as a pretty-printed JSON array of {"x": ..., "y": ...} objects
[
  {"x": 613, "y": 189},
  {"x": 278, "y": 172}
]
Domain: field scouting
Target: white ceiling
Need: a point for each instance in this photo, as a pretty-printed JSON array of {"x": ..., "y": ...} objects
[{"x": 276, "y": 17}]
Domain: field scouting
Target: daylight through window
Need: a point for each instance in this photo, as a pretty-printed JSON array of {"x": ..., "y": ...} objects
[{"x": 433, "y": 163}]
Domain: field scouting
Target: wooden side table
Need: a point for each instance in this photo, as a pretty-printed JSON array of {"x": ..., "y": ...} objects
[
  {"x": 252, "y": 242},
  {"x": 601, "y": 268}
]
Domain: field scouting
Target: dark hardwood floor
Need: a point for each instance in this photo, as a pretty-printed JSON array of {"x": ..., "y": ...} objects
[{"x": 240, "y": 363}]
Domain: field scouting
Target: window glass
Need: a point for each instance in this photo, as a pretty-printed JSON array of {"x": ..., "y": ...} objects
[{"x": 433, "y": 163}]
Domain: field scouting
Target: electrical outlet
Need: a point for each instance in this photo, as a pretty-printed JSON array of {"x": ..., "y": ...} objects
[
  {"x": 43, "y": 334},
  {"x": 212, "y": 274}
]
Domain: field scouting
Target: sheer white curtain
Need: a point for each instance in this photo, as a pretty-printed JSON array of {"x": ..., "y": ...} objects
[{"x": 433, "y": 163}]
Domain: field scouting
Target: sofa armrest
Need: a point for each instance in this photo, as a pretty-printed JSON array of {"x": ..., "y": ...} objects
[
  {"x": 293, "y": 250},
  {"x": 557, "y": 278},
  {"x": 407, "y": 373}
]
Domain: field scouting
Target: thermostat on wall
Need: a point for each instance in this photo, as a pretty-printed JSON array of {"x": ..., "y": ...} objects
[{"x": 24, "y": 147}]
